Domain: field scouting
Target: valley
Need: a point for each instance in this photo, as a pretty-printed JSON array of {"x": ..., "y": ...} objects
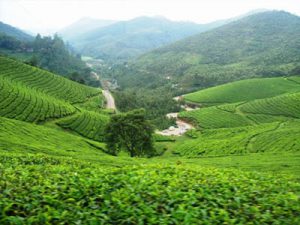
[{"x": 160, "y": 122}]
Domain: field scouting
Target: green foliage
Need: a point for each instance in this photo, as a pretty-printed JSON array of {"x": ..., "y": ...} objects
[
  {"x": 132, "y": 132},
  {"x": 68, "y": 191},
  {"x": 46, "y": 52},
  {"x": 128, "y": 39},
  {"x": 283, "y": 105},
  {"x": 213, "y": 117},
  {"x": 156, "y": 103},
  {"x": 22, "y": 103},
  {"x": 54, "y": 56},
  {"x": 8, "y": 42},
  {"x": 20, "y": 137},
  {"x": 262, "y": 45},
  {"x": 95, "y": 103},
  {"x": 15, "y": 33},
  {"x": 244, "y": 90},
  {"x": 88, "y": 124},
  {"x": 269, "y": 137},
  {"x": 45, "y": 82}
]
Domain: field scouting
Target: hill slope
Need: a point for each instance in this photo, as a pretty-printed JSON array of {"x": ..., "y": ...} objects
[
  {"x": 244, "y": 90},
  {"x": 128, "y": 39},
  {"x": 44, "y": 81},
  {"x": 14, "y": 32},
  {"x": 261, "y": 45},
  {"x": 82, "y": 26},
  {"x": 34, "y": 95}
]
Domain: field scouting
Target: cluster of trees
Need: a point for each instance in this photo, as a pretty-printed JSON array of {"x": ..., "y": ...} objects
[
  {"x": 157, "y": 104},
  {"x": 50, "y": 53},
  {"x": 262, "y": 45},
  {"x": 131, "y": 132},
  {"x": 10, "y": 43}
]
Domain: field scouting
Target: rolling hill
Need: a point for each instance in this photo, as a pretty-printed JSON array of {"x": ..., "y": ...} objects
[
  {"x": 277, "y": 137},
  {"x": 84, "y": 25},
  {"x": 44, "y": 81},
  {"x": 265, "y": 110},
  {"x": 34, "y": 95},
  {"x": 14, "y": 32},
  {"x": 260, "y": 45},
  {"x": 127, "y": 39},
  {"x": 244, "y": 90},
  {"x": 241, "y": 165},
  {"x": 263, "y": 116}
]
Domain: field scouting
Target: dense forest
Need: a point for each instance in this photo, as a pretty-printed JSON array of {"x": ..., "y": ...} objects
[
  {"x": 261, "y": 45},
  {"x": 50, "y": 53}
]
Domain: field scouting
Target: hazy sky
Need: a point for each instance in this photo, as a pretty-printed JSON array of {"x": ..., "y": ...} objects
[{"x": 50, "y": 15}]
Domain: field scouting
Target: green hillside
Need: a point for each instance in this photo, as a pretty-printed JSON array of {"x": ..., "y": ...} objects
[
  {"x": 244, "y": 90},
  {"x": 67, "y": 180},
  {"x": 124, "y": 40},
  {"x": 213, "y": 117},
  {"x": 240, "y": 165},
  {"x": 252, "y": 104},
  {"x": 14, "y": 32},
  {"x": 43, "y": 81},
  {"x": 22, "y": 103},
  {"x": 72, "y": 191},
  {"x": 268, "y": 137},
  {"x": 21, "y": 137},
  {"x": 283, "y": 105},
  {"x": 88, "y": 124},
  {"x": 261, "y": 45}
]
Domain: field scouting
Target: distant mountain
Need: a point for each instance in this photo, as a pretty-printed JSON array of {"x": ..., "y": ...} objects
[
  {"x": 14, "y": 32},
  {"x": 262, "y": 45},
  {"x": 127, "y": 39},
  {"x": 82, "y": 26}
]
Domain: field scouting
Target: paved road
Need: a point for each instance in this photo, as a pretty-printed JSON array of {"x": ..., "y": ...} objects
[{"x": 110, "y": 101}]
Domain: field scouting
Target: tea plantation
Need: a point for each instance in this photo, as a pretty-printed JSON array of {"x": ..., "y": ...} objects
[
  {"x": 268, "y": 137},
  {"x": 43, "y": 81},
  {"x": 22, "y": 103},
  {"x": 241, "y": 165},
  {"x": 245, "y": 90},
  {"x": 73, "y": 192},
  {"x": 88, "y": 124}
]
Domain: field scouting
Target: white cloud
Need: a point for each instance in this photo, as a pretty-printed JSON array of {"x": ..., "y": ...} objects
[{"x": 55, "y": 14}]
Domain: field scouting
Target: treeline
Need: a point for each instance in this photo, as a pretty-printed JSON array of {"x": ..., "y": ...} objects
[
  {"x": 157, "y": 104},
  {"x": 262, "y": 45},
  {"x": 50, "y": 53}
]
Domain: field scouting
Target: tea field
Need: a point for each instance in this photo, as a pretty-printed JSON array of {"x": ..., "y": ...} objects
[
  {"x": 245, "y": 90},
  {"x": 87, "y": 123},
  {"x": 240, "y": 166},
  {"x": 44, "y": 81},
  {"x": 69, "y": 191}
]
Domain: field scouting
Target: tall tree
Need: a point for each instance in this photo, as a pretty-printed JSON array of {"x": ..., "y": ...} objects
[{"x": 131, "y": 132}]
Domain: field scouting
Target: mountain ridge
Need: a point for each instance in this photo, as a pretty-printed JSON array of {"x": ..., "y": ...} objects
[{"x": 261, "y": 45}]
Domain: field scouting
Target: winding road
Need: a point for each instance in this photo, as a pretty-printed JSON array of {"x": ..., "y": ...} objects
[{"x": 110, "y": 101}]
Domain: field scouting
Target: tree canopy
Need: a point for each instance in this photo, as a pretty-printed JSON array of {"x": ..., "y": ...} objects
[{"x": 130, "y": 132}]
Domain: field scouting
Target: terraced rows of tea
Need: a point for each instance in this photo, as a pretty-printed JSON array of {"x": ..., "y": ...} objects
[
  {"x": 43, "y": 81},
  {"x": 34, "y": 95},
  {"x": 49, "y": 175},
  {"x": 283, "y": 105},
  {"x": 23, "y": 137},
  {"x": 86, "y": 123},
  {"x": 22, "y": 103},
  {"x": 269, "y": 137},
  {"x": 245, "y": 90},
  {"x": 212, "y": 117},
  {"x": 70, "y": 191},
  {"x": 279, "y": 108}
]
